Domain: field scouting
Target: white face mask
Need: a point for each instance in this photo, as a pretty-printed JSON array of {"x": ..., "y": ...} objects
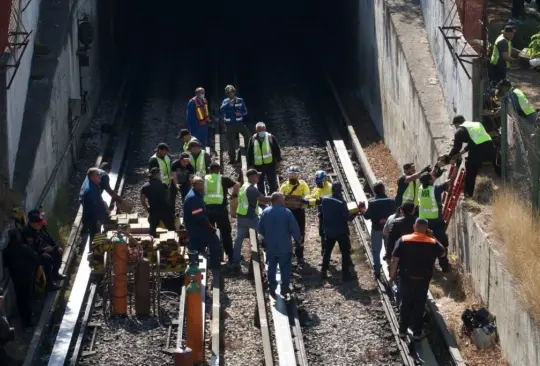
[
  {"x": 201, "y": 96},
  {"x": 262, "y": 134}
]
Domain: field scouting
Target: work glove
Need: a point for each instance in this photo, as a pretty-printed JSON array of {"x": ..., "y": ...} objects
[
  {"x": 439, "y": 171},
  {"x": 426, "y": 169}
]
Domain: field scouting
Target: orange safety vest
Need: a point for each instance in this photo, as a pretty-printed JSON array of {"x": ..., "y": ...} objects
[{"x": 201, "y": 109}]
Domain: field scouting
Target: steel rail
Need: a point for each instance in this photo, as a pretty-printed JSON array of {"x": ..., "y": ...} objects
[
  {"x": 423, "y": 348},
  {"x": 69, "y": 252}
]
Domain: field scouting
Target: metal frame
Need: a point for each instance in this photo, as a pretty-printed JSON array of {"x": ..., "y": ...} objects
[{"x": 16, "y": 44}]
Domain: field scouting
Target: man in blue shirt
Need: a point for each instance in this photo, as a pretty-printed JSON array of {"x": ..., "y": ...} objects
[
  {"x": 277, "y": 225},
  {"x": 95, "y": 210},
  {"x": 200, "y": 232},
  {"x": 379, "y": 209},
  {"x": 233, "y": 110},
  {"x": 104, "y": 183},
  {"x": 335, "y": 222}
]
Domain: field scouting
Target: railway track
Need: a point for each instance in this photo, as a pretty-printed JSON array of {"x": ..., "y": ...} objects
[{"x": 286, "y": 330}]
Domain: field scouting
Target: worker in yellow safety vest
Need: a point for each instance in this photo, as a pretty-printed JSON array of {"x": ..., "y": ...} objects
[
  {"x": 263, "y": 153},
  {"x": 295, "y": 186},
  {"x": 407, "y": 184},
  {"x": 247, "y": 213},
  {"x": 501, "y": 55},
  {"x": 430, "y": 208},
  {"x": 185, "y": 138},
  {"x": 199, "y": 159},
  {"x": 323, "y": 188},
  {"x": 216, "y": 187},
  {"x": 479, "y": 147},
  {"x": 519, "y": 101},
  {"x": 162, "y": 160}
]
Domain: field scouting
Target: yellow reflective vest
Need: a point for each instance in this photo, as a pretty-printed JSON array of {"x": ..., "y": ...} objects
[
  {"x": 411, "y": 192},
  {"x": 199, "y": 164},
  {"x": 213, "y": 189},
  {"x": 164, "y": 168},
  {"x": 243, "y": 202},
  {"x": 428, "y": 208},
  {"x": 476, "y": 131},
  {"x": 262, "y": 152},
  {"x": 495, "y": 54},
  {"x": 524, "y": 104}
]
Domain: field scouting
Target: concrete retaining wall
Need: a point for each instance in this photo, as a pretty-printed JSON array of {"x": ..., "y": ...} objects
[
  {"x": 409, "y": 111},
  {"x": 456, "y": 79},
  {"x": 519, "y": 335}
]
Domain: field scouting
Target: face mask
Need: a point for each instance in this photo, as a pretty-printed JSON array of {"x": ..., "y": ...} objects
[
  {"x": 262, "y": 134},
  {"x": 201, "y": 96}
]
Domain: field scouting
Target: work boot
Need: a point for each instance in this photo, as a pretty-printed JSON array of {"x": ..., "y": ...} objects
[{"x": 347, "y": 277}]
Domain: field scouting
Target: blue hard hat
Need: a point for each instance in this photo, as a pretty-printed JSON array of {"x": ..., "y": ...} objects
[{"x": 320, "y": 176}]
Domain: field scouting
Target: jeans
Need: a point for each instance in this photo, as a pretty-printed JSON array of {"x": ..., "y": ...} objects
[
  {"x": 268, "y": 172},
  {"x": 242, "y": 232},
  {"x": 376, "y": 246},
  {"x": 285, "y": 269},
  {"x": 413, "y": 294},
  {"x": 344, "y": 245}
]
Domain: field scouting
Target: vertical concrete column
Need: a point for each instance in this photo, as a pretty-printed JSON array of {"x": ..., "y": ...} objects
[{"x": 478, "y": 81}]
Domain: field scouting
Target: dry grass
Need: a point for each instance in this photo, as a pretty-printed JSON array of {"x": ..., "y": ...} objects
[
  {"x": 483, "y": 190},
  {"x": 516, "y": 229},
  {"x": 454, "y": 294}
]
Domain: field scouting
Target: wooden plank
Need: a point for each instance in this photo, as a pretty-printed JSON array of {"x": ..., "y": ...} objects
[{"x": 73, "y": 307}]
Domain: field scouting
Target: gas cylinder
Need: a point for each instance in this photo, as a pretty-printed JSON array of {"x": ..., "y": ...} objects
[
  {"x": 120, "y": 259},
  {"x": 142, "y": 287},
  {"x": 193, "y": 270},
  {"x": 194, "y": 326}
]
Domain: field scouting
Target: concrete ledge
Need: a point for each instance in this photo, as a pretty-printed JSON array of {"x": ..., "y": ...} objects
[
  {"x": 410, "y": 111},
  {"x": 519, "y": 335}
]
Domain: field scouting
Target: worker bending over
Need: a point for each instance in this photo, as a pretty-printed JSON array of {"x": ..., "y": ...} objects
[
  {"x": 36, "y": 235},
  {"x": 104, "y": 183},
  {"x": 430, "y": 208},
  {"x": 379, "y": 209},
  {"x": 407, "y": 185},
  {"x": 323, "y": 188},
  {"x": 183, "y": 170},
  {"x": 155, "y": 200},
  {"x": 520, "y": 103},
  {"x": 201, "y": 233},
  {"x": 198, "y": 116},
  {"x": 480, "y": 148},
  {"x": 412, "y": 260},
  {"x": 184, "y": 137},
  {"x": 247, "y": 213},
  {"x": 297, "y": 187},
  {"x": 336, "y": 219},
  {"x": 277, "y": 225},
  {"x": 263, "y": 154},
  {"x": 233, "y": 110},
  {"x": 216, "y": 187},
  {"x": 162, "y": 161},
  {"x": 199, "y": 160}
]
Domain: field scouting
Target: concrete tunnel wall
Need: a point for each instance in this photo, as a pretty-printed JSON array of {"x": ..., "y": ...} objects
[{"x": 410, "y": 96}]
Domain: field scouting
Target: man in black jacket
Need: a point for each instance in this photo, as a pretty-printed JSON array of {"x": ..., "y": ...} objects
[
  {"x": 403, "y": 225},
  {"x": 184, "y": 171},
  {"x": 263, "y": 154}
]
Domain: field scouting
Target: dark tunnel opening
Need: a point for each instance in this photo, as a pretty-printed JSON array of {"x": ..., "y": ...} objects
[{"x": 232, "y": 37}]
